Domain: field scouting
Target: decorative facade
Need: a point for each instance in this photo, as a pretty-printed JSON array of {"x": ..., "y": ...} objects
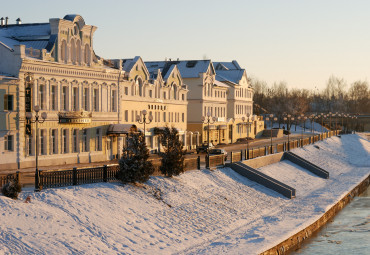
[{"x": 93, "y": 103}]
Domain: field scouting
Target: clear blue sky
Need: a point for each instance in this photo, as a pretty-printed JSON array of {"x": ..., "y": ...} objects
[{"x": 301, "y": 42}]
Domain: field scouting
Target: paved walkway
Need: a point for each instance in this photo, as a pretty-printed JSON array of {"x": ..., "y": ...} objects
[{"x": 28, "y": 174}]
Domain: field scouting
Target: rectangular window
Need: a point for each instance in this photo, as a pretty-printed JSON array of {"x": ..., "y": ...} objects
[
  {"x": 126, "y": 115},
  {"x": 150, "y": 93},
  {"x": 75, "y": 140},
  {"x": 114, "y": 101},
  {"x": 8, "y": 102},
  {"x": 183, "y": 117},
  {"x": 8, "y": 143},
  {"x": 164, "y": 117},
  {"x": 29, "y": 145},
  {"x": 64, "y": 98},
  {"x": 54, "y": 143},
  {"x": 183, "y": 97},
  {"x": 42, "y": 142},
  {"x": 164, "y": 95},
  {"x": 98, "y": 140},
  {"x": 96, "y": 100},
  {"x": 85, "y": 99},
  {"x": 65, "y": 140},
  {"x": 42, "y": 96},
  {"x": 85, "y": 146},
  {"x": 75, "y": 99},
  {"x": 53, "y": 98},
  {"x": 126, "y": 91}
]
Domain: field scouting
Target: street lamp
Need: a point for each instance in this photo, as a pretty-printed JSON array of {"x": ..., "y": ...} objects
[
  {"x": 271, "y": 117},
  {"x": 208, "y": 120},
  {"x": 342, "y": 129},
  {"x": 288, "y": 118},
  {"x": 144, "y": 121},
  {"x": 248, "y": 126},
  {"x": 330, "y": 114},
  {"x": 336, "y": 117},
  {"x": 37, "y": 120}
]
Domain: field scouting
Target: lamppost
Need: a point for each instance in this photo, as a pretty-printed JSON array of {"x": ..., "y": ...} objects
[
  {"x": 289, "y": 118},
  {"x": 143, "y": 121},
  {"x": 311, "y": 118},
  {"x": 342, "y": 128},
  {"x": 37, "y": 121},
  {"x": 248, "y": 125},
  {"x": 330, "y": 114},
  {"x": 336, "y": 118},
  {"x": 208, "y": 120},
  {"x": 271, "y": 117}
]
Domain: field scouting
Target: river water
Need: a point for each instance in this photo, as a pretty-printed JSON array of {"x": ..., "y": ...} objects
[{"x": 348, "y": 233}]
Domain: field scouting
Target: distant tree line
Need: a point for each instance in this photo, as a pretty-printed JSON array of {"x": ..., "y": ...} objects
[{"x": 337, "y": 96}]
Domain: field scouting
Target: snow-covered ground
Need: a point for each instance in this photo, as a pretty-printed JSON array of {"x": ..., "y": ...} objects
[
  {"x": 199, "y": 212},
  {"x": 297, "y": 129}
]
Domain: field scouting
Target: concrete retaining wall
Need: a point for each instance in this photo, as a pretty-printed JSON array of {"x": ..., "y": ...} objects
[
  {"x": 306, "y": 164},
  {"x": 263, "y": 179},
  {"x": 264, "y": 161}
]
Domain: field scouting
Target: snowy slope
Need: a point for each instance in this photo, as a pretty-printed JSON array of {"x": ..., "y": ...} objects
[{"x": 199, "y": 212}]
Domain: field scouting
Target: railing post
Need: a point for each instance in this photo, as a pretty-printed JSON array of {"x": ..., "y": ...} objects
[
  {"x": 207, "y": 161},
  {"x": 37, "y": 180},
  {"x": 74, "y": 176},
  {"x": 18, "y": 177},
  {"x": 247, "y": 154},
  {"x": 241, "y": 155},
  {"x": 198, "y": 162},
  {"x": 231, "y": 157},
  {"x": 105, "y": 173}
]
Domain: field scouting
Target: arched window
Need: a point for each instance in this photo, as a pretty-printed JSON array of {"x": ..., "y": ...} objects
[
  {"x": 175, "y": 91},
  {"x": 73, "y": 51},
  {"x": 139, "y": 84},
  {"x": 63, "y": 51},
  {"x": 78, "y": 53},
  {"x": 87, "y": 54}
]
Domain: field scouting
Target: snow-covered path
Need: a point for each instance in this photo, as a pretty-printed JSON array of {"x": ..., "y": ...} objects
[{"x": 206, "y": 212}]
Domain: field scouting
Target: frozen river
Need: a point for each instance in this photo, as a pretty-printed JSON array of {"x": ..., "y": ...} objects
[{"x": 348, "y": 233}]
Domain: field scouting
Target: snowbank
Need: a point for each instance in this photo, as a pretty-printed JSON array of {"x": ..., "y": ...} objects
[{"x": 202, "y": 212}]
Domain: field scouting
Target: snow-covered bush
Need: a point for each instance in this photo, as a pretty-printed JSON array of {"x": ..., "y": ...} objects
[
  {"x": 134, "y": 164},
  {"x": 173, "y": 156},
  {"x": 12, "y": 189}
]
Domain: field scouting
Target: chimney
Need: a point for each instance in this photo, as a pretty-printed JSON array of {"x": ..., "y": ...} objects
[
  {"x": 18, "y": 21},
  {"x": 6, "y": 21},
  {"x": 2, "y": 21}
]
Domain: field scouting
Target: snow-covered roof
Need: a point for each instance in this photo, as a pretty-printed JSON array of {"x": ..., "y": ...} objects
[
  {"x": 187, "y": 68},
  {"x": 220, "y": 84},
  {"x": 230, "y": 75},
  {"x": 35, "y": 35},
  {"x": 7, "y": 76},
  {"x": 233, "y": 65},
  {"x": 128, "y": 64}
]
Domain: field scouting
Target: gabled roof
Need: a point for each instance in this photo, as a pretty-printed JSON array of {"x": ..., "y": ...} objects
[
  {"x": 128, "y": 64},
  {"x": 230, "y": 75},
  {"x": 233, "y": 65},
  {"x": 187, "y": 68}
]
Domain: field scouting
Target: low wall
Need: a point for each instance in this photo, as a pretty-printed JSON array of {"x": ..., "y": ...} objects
[
  {"x": 264, "y": 161},
  {"x": 296, "y": 240}
]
